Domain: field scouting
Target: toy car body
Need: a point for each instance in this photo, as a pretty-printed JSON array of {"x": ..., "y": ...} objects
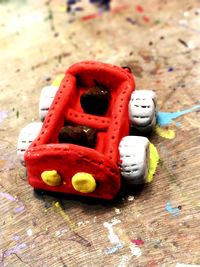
[{"x": 75, "y": 169}]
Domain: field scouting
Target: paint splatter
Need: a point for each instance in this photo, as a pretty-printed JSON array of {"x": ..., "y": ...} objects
[
  {"x": 157, "y": 21},
  {"x": 113, "y": 238},
  {"x": 63, "y": 214},
  {"x": 184, "y": 24},
  {"x": 117, "y": 211},
  {"x": 183, "y": 42},
  {"x": 16, "y": 237},
  {"x": 131, "y": 21},
  {"x": 165, "y": 118},
  {"x": 21, "y": 208},
  {"x": 7, "y": 1},
  {"x": 13, "y": 199},
  {"x": 124, "y": 261},
  {"x": 58, "y": 80},
  {"x": 152, "y": 263},
  {"x": 137, "y": 242},
  {"x": 98, "y": 15},
  {"x": 139, "y": 9},
  {"x": 103, "y": 5},
  {"x": 120, "y": 8},
  {"x": 114, "y": 249},
  {"x": 173, "y": 211},
  {"x": 166, "y": 133},
  {"x": 186, "y": 13},
  {"x": 90, "y": 17},
  {"x": 3, "y": 115},
  {"x": 17, "y": 114},
  {"x": 154, "y": 159},
  {"x": 146, "y": 19},
  {"x": 29, "y": 232},
  {"x": 77, "y": 237},
  {"x": 15, "y": 249},
  {"x": 135, "y": 250},
  {"x": 83, "y": 223},
  {"x": 170, "y": 69},
  {"x": 78, "y": 8},
  {"x": 131, "y": 198}
]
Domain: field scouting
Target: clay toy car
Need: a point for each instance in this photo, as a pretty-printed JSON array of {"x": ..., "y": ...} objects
[{"x": 82, "y": 144}]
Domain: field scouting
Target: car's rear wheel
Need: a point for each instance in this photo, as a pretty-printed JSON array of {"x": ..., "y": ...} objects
[
  {"x": 134, "y": 159},
  {"x": 26, "y": 136},
  {"x": 46, "y": 98},
  {"x": 142, "y": 110}
]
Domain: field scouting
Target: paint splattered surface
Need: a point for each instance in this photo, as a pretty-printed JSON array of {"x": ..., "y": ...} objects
[{"x": 157, "y": 227}]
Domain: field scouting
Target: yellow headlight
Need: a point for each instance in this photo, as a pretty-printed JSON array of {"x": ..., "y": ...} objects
[
  {"x": 84, "y": 182},
  {"x": 51, "y": 178}
]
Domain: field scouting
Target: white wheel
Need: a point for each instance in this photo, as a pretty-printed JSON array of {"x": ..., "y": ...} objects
[
  {"x": 142, "y": 110},
  {"x": 134, "y": 159},
  {"x": 46, "y": 98},
  {"x": 26, "y": 136}
]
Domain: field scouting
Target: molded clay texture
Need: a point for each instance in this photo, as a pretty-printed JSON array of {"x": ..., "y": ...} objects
[
  {"x": 46, "y": 98},
  {"x": 52, "y": 178},
  {"x": 84, "y": 182},
  {"x": 96, "y": 100},
  {"x": 52, "y": 165},
  {"x": 78, "y": 135},
  {"x": 26, "y": 136},
  {"x": 134, "y": 159},
  {"x": 142, "y": 110}
]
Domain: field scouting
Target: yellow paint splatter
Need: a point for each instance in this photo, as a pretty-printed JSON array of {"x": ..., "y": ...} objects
[
  {"x": 58, "y": 80},
  {"x": 63, "y": 214},
  {"x": 154, "y": 159},
  {"x": 78, "y": 238},
  {"x": 169, "y": 134}
]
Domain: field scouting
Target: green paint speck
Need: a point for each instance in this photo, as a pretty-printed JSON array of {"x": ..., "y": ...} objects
[{"x": 157, "y": 21}]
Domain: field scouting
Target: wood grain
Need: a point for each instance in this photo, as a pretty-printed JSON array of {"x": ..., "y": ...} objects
[{"x": 34, "y": 48}]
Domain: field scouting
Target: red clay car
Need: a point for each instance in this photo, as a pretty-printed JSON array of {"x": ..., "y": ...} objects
[{"x": 69, "y": 167}]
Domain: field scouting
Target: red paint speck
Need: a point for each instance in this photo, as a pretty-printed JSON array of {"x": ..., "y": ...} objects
[
  {"x": 146, "y": 19},
  {"x": 137, "y": 242},
  {"x": 139, "y": 9},
  {"x": 98, "y": 15},
  {"x": 119, "y": 9},
  {"x": 89, "y": 17},
  {"x": 152, "y": 263}
]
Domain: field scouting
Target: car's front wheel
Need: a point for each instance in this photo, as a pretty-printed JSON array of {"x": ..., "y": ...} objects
[{"x": 134, "y": 159}]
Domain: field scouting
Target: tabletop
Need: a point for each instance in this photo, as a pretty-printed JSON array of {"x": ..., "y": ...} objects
[{"x": 156, "y": 226}]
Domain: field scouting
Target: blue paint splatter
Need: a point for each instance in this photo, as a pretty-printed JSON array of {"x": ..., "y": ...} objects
[
  {"x": 165, "y": 118},
  {"x": 174, "y": 211},
  {"x": 16, "y": 237},
  {"x": 13, "y": 199},
  {"x": 14, "y": 249},
  {"x": 114, "y": 249}
]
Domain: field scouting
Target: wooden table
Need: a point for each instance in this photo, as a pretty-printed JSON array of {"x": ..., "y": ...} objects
[{"x": 157, "y": 227}]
